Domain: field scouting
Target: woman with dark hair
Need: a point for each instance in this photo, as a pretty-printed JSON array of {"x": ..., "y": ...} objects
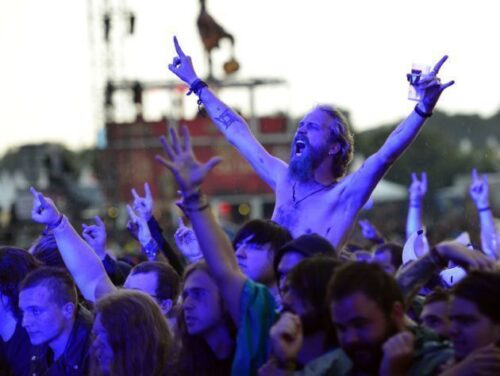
[
  {"x": 206, "y": 331},
  {"x": 131, "y": 336}
]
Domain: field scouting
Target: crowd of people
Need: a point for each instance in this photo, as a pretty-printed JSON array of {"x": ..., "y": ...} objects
[{"x": 290, "y": 295}]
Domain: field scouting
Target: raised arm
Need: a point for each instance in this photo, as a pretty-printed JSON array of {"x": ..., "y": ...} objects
[
  {"x": 232, "y": 125},
  {"x": 361, "y": 184},
  {"x": 215, "y": 245},
  {"x": 80, "y": 259},
  {"x": 416, "y": 192},
  {"x": 143, "y": 207},
  {"x": 414, "y": 275},
  {"x": 479, "y": 193}
]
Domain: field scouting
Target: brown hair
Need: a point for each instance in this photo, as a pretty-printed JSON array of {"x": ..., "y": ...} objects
[
  {"x": 341, "y": 134},
  {"x": 196, "y": 357},
  {"x": 137, "y": 332},
  {"x": 56, "y": 280}
]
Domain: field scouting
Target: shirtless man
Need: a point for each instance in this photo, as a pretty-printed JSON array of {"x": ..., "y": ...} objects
[{"x": 312, "y": 196}]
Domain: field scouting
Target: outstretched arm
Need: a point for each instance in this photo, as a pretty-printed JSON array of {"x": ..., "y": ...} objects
[
  {"x": 361, "y": 184},
  {"x": 413, "y": 276},
  {"x": 216, "y": 247},
  {"x": 479, "y": 193},
  {"x": 81, "y": 261},
  {"x": 232, "y": 125},
  {"x": 417, "y": 191}
]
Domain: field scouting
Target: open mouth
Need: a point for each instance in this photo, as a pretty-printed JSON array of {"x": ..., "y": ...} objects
[{"x": 299, "y": 147}]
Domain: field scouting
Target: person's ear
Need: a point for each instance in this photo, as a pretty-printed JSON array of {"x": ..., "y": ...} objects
[
  {"x": 68, "y": 310},
  {"x": 166, "y": 306},
  {"x": 334, "y": 149}
]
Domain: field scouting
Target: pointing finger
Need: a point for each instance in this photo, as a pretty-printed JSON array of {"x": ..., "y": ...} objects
[{"x": 178, "y": 48}]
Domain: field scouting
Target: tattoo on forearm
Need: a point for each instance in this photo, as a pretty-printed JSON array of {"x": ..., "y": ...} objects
[{"x": 227, "y": 118}]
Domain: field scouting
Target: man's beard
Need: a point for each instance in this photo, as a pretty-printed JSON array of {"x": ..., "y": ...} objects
[
  {"x": 302, "y": 166},
  {"x": 366, "y": 357}
]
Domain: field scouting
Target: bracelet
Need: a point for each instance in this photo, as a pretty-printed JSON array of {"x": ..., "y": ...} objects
[
  {"x": 194, "y": 201},
  {"x": 422, "y": 113},
  {"x": 151, "y": 249},
  {"x": 191, "y": 196},
  {"x": 486, "y": 208},
  {"x": 52, "y": 226},
  {"x": 196, "y": 87}
]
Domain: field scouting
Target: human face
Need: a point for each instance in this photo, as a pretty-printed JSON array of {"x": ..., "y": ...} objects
[
  {"x": 311, "y": 144},
  {"x": 44, "y": 320},
  {"x": 100, "y": 345},
  {"x": 201, "y": 303},
  {"x": 287, "y": 262},
  {"x": 362, "y": 328},
  {"x": 148, "y": 283},
  {"x": 469, "y": 328},
  {"x": 293, "y": 302},
  {"x": 255, "y": 260},
  {"x": 434, "y": 316}
]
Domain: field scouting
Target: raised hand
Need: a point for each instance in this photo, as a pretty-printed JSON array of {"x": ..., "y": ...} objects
[
  {"x": 143, "y": 232},
  {"x": 479, "y": 189},
  {"x": 187, "y": 243},
  {"x": 433, "y": 88},
  {"x": 188, "y": 171},
  {"x": 182, "y": 66},
  {"x": 143, "y": 206},
  {"x": 44, "y": 210},
  {"x": 95, "y": 236},
  {"x": 418, "y": 188}
]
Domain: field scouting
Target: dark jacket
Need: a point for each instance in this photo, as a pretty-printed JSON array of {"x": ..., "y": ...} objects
[{"x": 74, "y": 360}]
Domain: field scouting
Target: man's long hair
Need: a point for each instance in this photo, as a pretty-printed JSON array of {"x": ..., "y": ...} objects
[
  {"x": 195, "y": 356},
  {"x": 341, "y": 134},
  {"x": 137, "y": 332}
]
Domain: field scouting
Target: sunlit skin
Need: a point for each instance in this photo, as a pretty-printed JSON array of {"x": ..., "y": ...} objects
[
  {"x": 46, "y": 321},
  {"x": 434, "y": 316},
  {"x": 470, "y": 329}
]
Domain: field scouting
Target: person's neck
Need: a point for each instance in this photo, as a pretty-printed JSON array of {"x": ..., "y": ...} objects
[
  {"x": 323, "y": 173},
  {"x": 220, "y": 341},
  {"x": 312, "y": 348},
  {"x": 58, "y": 345},
  {"x": 8, "y": 323}
]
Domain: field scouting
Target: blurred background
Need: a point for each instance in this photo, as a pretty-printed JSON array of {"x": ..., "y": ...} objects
[{"x": 86, "y": 93}]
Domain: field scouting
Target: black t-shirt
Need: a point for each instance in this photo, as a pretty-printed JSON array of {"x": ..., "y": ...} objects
[{"x": 15, "y": 354}]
